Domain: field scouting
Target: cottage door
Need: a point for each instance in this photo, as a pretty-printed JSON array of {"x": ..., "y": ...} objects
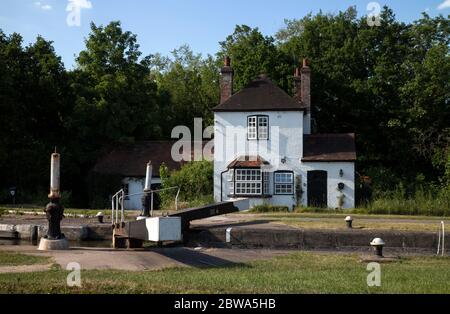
[{"x": 317, "y": 189}]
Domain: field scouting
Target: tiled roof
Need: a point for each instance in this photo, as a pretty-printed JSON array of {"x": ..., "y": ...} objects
[
  {"x": 131, "y": 160},
  {"x": 247, "y": 162},
  {"x": 329, "y": 147},
  {"x": 260, "y": 95}
]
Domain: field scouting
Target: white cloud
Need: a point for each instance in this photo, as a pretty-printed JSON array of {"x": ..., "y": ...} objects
[
  {"x": 45, "y": 7},
  {"x": 82, "y": 4},
  {"x": 444, "y": 5}
]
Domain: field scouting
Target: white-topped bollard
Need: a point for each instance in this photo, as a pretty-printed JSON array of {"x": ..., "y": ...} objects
[
  {"x": 147, "y": 198},
  {"x": 54, "y": 239},
  {"x": 378, "y": 245},
  {"x": 54, "y": 176},
  {"x": 148, "y": 177},
  {"x": 349, "y": 222},
  {"x": 100, "y": 217}
]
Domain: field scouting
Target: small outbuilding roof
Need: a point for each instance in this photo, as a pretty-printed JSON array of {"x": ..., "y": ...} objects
[
  {"x": 260, "y": 95},
  {"x": 131, "y": 160},
  {"x": 329, "y": 147}
]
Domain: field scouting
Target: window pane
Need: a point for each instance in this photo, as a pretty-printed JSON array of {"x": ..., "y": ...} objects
[
  {"x": 248, "y": 182},
  {"x": 263, "y": 128},
  {"x": 252, "y": 128},
  {"x": 284, "y": 183}
]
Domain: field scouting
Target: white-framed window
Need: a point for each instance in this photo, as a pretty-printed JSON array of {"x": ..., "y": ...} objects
[
  {"x": 258, "y": 127},
  {"x": 284, "y": 183},
  {"x": 252, "y": 128},
  {"x": 248, "y": 182},
  {"x": 231, "y": 181},
  {"x": 263, "y": 128}
]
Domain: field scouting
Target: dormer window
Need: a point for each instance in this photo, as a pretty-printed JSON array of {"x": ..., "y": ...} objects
[{"x": 258, "y": 127}]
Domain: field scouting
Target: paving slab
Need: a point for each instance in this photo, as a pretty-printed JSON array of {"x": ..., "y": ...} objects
[{"x": 148, "y": 259}]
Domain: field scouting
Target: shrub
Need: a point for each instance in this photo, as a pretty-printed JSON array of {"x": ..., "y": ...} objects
[
  {"x": 195, "y": 180},
  {"x": 265, "y": 208},
  {"x": 425, "y": 201}
]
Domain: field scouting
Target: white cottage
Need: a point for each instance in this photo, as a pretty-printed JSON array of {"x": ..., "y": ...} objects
[{"x": 264, "y": 149}]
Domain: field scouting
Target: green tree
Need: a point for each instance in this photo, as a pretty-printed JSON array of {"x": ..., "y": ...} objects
[
  {"x": 252, "y": 54},
  {"x": 188, "y": 87},
  {"x": 35, "y": 99}
]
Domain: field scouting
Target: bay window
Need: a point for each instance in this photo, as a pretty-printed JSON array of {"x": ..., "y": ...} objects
[{"x": 248, "y": 182}]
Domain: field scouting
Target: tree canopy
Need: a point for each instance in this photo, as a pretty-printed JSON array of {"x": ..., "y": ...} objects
[{"x": 389, "y": 84}]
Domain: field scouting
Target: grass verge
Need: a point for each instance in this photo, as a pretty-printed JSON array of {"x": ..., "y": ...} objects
[
  {"x": 302, "y": 272},
  {"x": 17, "y": 259}
]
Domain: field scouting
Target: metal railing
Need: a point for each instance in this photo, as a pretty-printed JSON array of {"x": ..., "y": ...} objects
[{"x": 117, "y": 202}]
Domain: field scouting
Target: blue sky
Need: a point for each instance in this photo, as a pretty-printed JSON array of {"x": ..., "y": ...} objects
[{"x": 162, "y": 25}]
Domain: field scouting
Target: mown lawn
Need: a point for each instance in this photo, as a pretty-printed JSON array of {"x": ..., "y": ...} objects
[
  {"x": 16, "y": 259},
  {"x": 336, "y": 221},
  {"x": 334, "y": 224},
  {"x": 302, "y": 272}
]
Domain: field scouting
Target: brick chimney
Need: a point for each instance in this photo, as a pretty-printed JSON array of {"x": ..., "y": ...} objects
[
  {"x": 226, "y": 80},
  {"x": 302, "y": 92},
  {"x": 305, "y": 74},
  {"x": 297, "y": 85}
]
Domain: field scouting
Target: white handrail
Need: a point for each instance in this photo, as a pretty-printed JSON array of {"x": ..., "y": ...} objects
[
  {"x": 176, "y": 199},
  {"x": 118, "y": 200}
]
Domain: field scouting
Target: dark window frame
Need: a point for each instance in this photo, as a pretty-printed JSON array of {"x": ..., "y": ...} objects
[{"x": 275, "y": 182}]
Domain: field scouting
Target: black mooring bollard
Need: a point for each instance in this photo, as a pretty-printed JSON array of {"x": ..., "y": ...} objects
[
  {"x": 378, "y": 245},
  {"x": 349, "y": 221},
  {"x": 100, "y": 217}
]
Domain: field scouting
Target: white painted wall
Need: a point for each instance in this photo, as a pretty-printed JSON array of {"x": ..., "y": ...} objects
[
  {"x": 285, "y": 141},
  {"x": 333, "y": 169},
  {"x": 136, "y": 185}
]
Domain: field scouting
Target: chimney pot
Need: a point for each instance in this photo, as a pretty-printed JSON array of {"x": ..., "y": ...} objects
[
  {"x": 226, "y": 80},
  {"x": 227, "y": 61},
  {"x": 305, "y": 62}
]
